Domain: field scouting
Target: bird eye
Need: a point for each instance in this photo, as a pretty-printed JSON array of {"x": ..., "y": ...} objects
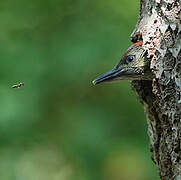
[{"x": 130, "y": 58}]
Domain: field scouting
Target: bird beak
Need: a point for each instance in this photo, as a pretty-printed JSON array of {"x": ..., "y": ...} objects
[{"x": 109, "y": 76}]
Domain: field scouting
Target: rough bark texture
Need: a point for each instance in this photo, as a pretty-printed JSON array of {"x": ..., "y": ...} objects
[{"x": 159, "y": 26}]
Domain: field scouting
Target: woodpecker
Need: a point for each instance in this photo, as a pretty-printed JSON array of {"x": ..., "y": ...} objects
[{"x": 134, "y": 65}]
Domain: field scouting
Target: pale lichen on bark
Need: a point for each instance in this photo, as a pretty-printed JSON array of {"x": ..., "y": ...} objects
[{"x": 159, "y": 27}]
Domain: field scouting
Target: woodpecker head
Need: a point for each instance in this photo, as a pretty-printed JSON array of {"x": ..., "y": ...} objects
[{"x": 133, "y": 65}]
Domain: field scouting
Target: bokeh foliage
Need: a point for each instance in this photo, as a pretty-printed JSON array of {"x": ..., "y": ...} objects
[{"x": 59, "y": 126}]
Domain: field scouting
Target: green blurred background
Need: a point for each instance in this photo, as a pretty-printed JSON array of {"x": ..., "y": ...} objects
[{"x": 59, "y": 126}]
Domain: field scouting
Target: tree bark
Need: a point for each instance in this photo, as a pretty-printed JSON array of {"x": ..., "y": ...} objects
[{"x": 159, "y": 27}]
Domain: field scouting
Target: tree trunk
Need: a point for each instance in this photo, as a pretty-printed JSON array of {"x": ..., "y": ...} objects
[{"x": 159, "y": 26}]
